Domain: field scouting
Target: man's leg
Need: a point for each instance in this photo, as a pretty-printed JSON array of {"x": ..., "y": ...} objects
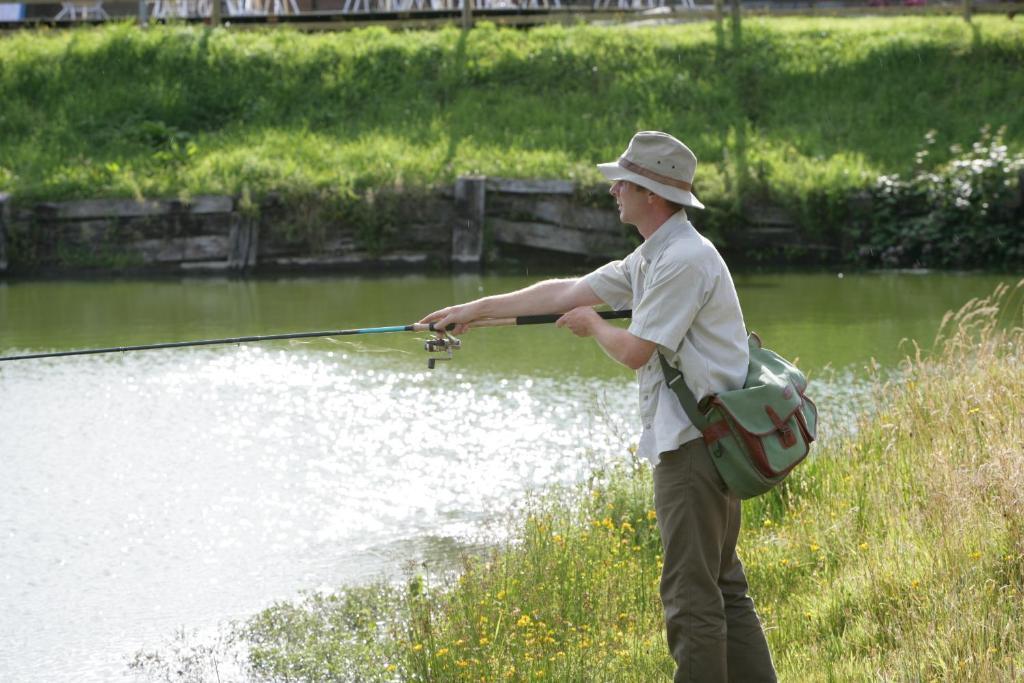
[
  {"x": 693, "y": 515},
  {"x": 713, "y": 632},
  {"x": 747, "y": 650}
]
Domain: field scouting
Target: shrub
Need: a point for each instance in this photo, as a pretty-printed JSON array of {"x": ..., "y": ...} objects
[{"x": 964, "y": 214}]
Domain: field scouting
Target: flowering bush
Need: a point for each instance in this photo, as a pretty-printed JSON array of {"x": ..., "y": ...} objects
[{"x": 964, "y": 214}]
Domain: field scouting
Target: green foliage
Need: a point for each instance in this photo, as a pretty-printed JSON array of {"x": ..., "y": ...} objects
[
  {"x": 323, "y": 638},
  {"x": 965, "y": 213},
  {"x": 800, "y": 111}
]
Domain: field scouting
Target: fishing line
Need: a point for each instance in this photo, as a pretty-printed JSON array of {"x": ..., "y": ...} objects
[{"x": 443, "y": 344}]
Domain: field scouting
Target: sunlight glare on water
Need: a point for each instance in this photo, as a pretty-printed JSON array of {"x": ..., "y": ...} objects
[{"x": 145, "y": 492}]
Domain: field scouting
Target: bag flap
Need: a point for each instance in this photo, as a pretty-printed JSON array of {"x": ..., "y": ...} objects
[
  {"x": 767, "y": 367},
  {"x": 757, "y": 408}
]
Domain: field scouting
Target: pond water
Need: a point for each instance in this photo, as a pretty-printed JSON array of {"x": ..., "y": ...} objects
[{"x": 144, "y": 492}]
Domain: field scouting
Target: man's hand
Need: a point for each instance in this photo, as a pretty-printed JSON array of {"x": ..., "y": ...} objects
[
  {"x": 582, "y": 320},
  {"x": 460, "y": 316}
]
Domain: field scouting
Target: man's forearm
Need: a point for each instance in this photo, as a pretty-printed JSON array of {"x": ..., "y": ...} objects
[
  {"x": 620, "y": 344},
  {"x": 623, "y": 346},
  {"x": 548, "y": 296}
]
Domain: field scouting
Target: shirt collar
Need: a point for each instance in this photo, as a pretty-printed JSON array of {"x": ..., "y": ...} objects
[{"x": 676, "y": 227}]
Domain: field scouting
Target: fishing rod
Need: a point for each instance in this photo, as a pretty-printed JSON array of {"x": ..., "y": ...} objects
[{"x": 444, "y": 344}]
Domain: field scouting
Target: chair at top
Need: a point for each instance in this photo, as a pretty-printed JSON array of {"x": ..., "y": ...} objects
[
  {"x": 165, "y": 9},
  {"x": 635, "y": 4},
  {"x": 182, "y": 9},
  {"x": 81, "y": 10},
  {"x": 262, "y": 7}
]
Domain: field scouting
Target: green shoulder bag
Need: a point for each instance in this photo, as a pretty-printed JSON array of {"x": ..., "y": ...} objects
[{"x": 757, "y": 434}]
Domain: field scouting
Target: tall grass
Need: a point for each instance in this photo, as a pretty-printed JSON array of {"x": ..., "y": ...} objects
[
  {"x": 895, "y": 553},
  {"x": 802, "y": 109}
]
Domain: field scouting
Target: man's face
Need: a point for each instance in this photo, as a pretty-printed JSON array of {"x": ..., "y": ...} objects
[{"x": 631, "y": 200}]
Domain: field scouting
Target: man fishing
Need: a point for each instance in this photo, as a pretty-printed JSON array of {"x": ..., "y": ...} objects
[{"x": 685, "y": 307}]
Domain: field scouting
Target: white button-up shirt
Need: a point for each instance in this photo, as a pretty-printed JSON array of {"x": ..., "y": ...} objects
[{"x": 683, "y": 300}]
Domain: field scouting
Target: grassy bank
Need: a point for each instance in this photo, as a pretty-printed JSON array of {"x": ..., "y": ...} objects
[
  {"x": 800, "y": 110},
  {"x": 896, "y": 553}
]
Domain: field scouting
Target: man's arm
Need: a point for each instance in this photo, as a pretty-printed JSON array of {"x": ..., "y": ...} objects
[
  {"x": 548, "y": 296},
  {"x": 621, "y": 345}
]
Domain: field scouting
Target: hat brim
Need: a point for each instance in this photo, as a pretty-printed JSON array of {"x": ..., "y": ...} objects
[{"x": 612, "y": 171}]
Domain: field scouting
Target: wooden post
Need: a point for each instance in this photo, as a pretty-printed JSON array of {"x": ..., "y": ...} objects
[
  {"x": 467, "y": 14},
  {"x": 243, "y": 241},
  {"x": 968, "y": 9},
  {"x": 215, "y": 12},
  {"x": 735, "y": 15},
  {"x": 468, "y": 228},
  {"x": 719, "y": 13},
  {"x": 143, "y": 13},
  {"x": 5, "y": 218}
]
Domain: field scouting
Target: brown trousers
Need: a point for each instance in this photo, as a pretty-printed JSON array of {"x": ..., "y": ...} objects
[{"x": 713, "y": 631}]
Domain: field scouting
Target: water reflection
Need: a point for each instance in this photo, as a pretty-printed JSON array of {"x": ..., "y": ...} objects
[{"x": 152, "y": 490}]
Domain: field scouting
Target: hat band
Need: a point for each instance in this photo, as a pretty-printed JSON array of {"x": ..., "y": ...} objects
[{"x": 657, "y": 177}]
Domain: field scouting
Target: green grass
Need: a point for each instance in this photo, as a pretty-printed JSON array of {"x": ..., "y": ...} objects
[
  {"x": 801, "y": 110},
  {"x": 895, "y": 553}
]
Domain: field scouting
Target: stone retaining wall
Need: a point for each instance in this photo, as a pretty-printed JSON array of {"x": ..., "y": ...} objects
[{"x": 476, "y": 221}]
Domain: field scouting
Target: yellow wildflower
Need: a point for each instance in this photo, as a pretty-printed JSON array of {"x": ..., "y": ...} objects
[
  {"x": 524, "y": 621},
  {"x": 417, "y": 647},
  {"x": 652, "y": 515}
]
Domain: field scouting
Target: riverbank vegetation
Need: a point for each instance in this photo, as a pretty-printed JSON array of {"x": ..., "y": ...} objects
[
  {"x": 801, "y": 112},
  {"x": 895, "y": 553}
]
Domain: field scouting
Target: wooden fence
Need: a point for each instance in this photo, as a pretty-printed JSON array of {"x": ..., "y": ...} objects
[{"x": 461, "y": 226}]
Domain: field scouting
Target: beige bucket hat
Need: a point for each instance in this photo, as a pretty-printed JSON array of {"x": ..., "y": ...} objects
[{"x": 659, "y": 162}]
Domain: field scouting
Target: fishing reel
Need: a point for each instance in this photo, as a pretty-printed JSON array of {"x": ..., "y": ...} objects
[{"x": 440, "y": 345}]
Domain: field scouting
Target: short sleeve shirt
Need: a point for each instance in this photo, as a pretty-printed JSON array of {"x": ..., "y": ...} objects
[{"x": 684, "y": 300}]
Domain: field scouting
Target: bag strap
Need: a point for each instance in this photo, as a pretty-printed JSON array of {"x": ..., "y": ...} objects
[{"x": 674, "y": 380}]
